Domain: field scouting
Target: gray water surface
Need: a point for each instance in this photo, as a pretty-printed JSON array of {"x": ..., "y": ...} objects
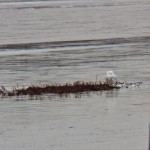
[{"x": 66, "y": 41}]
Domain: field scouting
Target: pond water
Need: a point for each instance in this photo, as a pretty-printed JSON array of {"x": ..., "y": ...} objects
[{"x": 67, "y": 41}]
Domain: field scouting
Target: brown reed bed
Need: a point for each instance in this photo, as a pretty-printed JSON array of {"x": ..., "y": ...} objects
[{"x": 76, "y": 87}]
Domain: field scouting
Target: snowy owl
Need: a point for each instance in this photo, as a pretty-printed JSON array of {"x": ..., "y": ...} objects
[{"x": 111, "y": 78}]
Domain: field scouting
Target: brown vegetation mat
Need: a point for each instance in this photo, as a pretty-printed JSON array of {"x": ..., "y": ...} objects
[{"x": 60, "y": 89}]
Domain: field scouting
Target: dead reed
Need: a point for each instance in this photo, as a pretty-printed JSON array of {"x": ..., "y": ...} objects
[{"x": 67, "y": 88}]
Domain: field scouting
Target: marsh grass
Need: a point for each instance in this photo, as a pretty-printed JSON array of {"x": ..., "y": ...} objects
[{"x": 76, "y": 87}]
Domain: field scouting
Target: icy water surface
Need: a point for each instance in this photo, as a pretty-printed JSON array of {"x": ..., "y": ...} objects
[{"x": 66, "y": 41}]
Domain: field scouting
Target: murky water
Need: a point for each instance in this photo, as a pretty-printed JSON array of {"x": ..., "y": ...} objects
[{"x": 59, "y": 42}]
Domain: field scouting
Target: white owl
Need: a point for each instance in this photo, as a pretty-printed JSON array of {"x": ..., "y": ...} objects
[{"x": 111, "y": 78}]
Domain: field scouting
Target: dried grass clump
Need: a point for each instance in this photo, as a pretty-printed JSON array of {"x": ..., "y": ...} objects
[{"x": 60, "y": 89}]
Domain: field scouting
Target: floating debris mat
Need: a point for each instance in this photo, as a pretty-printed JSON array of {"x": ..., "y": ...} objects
[{"x": 67, "y": 88}]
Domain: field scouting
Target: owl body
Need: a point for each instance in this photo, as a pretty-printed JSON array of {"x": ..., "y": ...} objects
[{"x": 111, "y": 78}]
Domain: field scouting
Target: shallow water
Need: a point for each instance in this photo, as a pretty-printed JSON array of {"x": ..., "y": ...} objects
[
  {"x": 107, "y": 120},
  {"x": 59, "y": 42}
]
